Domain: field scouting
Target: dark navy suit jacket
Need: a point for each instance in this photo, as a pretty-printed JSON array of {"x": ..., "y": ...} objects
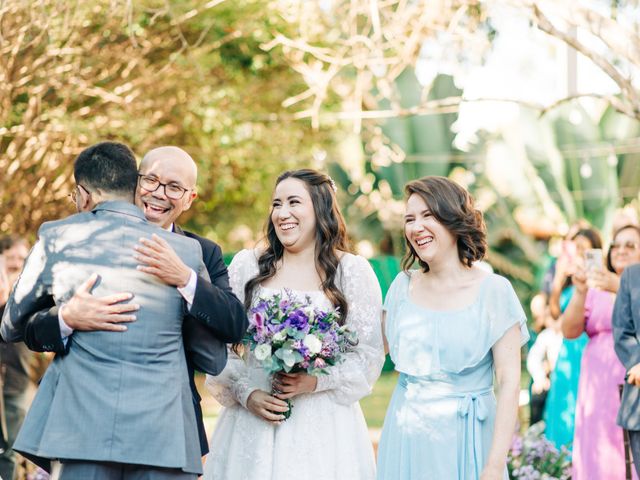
[{"x": 626, "y": 336}]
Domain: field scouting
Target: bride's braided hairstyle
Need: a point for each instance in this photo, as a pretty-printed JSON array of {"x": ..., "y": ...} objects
[{"x": 331, "y": 238}]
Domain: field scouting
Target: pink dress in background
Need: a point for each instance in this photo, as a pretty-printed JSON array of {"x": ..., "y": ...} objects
[{"x": 598, "y": 449}]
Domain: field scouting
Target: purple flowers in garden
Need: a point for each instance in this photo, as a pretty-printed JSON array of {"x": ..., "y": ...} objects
[{"x": 533, "y": 457}]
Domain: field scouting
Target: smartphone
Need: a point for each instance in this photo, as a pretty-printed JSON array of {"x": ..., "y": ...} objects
[{"x": 593, "y": 259}]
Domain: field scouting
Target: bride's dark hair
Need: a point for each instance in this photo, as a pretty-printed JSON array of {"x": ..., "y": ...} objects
[{"x": 331, "y": 238}]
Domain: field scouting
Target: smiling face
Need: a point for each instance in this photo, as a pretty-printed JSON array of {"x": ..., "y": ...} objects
[
  {"x": 14, "y": 258},
  {"x": 175, "y": 168},
  {"x": 293, "y": 216},
  {"x": 625, "y": 249},
  {"x": 427, "y": 236}
]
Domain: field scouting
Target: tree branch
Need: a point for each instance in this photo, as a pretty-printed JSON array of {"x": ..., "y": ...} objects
[{"x": 623, "y": 83}]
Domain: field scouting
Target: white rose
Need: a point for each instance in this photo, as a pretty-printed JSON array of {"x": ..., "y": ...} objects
[
  {"x": 262, "y": 352},
  {"x": 279, "y": 336},
  {"x": 313, "y": 343}
]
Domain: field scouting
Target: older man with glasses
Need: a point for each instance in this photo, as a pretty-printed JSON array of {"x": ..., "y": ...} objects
[{"x": 166, "y": 188}]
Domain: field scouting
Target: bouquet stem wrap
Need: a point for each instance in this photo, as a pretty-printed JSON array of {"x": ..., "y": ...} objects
[{"x": 287, "y": 414}]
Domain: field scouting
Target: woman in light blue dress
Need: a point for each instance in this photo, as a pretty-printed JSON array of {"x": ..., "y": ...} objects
[{"x": 449, "y": 326}]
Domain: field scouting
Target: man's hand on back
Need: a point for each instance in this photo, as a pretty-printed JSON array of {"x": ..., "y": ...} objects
[
  {"x": 158, "y": 258},
  {"x": 87, "y": 312}
]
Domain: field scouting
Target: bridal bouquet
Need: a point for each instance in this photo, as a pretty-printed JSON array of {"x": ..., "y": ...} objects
[{"x": 286, "y": 334}]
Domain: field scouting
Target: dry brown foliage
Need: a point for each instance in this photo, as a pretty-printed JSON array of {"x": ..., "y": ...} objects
[{"x": 69, "y": 76}]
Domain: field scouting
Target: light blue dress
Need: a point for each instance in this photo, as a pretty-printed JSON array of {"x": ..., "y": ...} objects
[{"x": 439, "y": 424}]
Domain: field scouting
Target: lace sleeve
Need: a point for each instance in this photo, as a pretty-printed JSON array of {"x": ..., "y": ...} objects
[
  {"x": 234, "y": 384},
  {"x": 353, "y": 379},
  {"x": 243, "y": 267}
]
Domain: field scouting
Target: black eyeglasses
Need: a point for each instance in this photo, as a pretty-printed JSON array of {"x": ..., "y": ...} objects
[
  {"x": 74, "y": 194},
  {"x": 631, "y": 246},
  {"x": 171, "y": 190}
]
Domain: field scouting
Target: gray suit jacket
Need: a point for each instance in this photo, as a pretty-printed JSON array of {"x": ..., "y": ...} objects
[
  {"x": 116, "y": 396},
  {"x": 626, "y": 335}
]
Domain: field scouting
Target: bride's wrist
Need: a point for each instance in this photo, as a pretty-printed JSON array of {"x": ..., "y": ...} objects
[{"x": 243, "y": 398}]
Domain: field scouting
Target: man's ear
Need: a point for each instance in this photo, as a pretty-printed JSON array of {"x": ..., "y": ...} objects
[
  {"x": 192, "y": 196},
  {"x": 86, "y": 201}
]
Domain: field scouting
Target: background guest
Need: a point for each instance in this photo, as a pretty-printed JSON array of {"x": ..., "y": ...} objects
[
  {"x": 598, "y": 448},
  {"x": 542, "y": 356},
  {"x": 18, "y": 365},
  {"x": 560, "y": 407}
]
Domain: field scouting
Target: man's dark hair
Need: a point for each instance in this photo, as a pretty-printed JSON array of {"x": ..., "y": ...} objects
[{"x": 108, "y": 166}]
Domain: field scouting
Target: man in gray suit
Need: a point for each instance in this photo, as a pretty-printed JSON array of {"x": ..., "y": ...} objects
[
  {"x": 626, "y": 335},
  {"x": 116, "y": 406}
]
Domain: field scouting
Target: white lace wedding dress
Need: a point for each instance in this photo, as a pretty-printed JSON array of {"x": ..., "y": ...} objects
[{"x": 326, "y": 437}]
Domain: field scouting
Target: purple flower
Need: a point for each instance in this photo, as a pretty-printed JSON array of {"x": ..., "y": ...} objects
[
  {"x": 527, "y": 472},
  {"x": 257, "y": 320},
  {"x": 329, "y": 346},
  {"x": 533, "y": 457},
  {"x": 324, "y": 326},
  {"x": 301, "y": 348},
  {"x": 284, "y": 304},
  {"x": 319, "y": 363},
  {"x": 516, "y": 446},
  {"x": 326, "y": 351},
  {"x": 275, "y": 327},
  {"x": 298, "y": 320},
  {"x": 262, "y": 306}
]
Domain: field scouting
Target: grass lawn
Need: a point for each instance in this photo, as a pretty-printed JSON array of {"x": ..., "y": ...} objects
[{"x": 375, "y": 405}]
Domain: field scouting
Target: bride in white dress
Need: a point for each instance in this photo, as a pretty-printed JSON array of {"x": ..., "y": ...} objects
[{"x": 326, "y": 437}]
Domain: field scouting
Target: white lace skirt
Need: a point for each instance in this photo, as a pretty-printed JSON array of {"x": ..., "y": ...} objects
[{"x": 322, "y": 440}]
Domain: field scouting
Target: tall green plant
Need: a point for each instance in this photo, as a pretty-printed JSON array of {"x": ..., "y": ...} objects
[{"x": 538, "y": 170}]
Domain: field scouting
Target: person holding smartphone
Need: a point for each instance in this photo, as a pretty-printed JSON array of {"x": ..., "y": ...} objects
[
  {"x": 598, "y": 448},
  {"x": 560, "y": 405}
]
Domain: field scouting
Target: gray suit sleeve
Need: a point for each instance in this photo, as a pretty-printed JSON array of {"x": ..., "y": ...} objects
[
  {"x": 202, "y": 271},
  {"x": 624, "y": 328},
  {"x": 30, "y": 294}
]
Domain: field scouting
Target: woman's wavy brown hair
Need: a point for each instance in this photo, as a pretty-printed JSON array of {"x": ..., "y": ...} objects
[
  {"x": 453, "y": 207},
  {"x": 331, "y": 238}
]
